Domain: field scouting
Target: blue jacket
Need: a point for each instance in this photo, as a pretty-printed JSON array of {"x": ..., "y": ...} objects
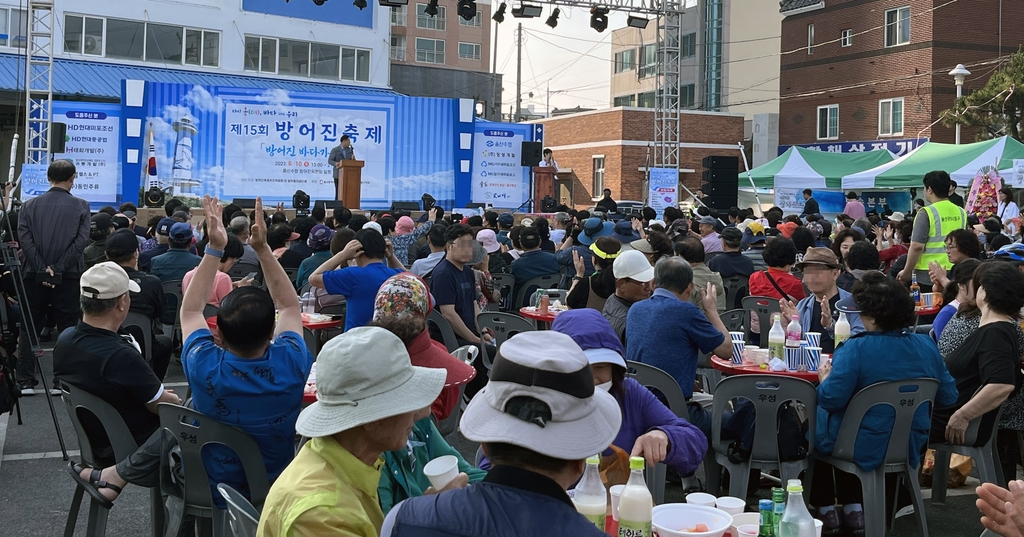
[
  {"x": 805, "y": 308},
  {"x": 173, "y": 264},
  {"x": 874, "y": 357}
]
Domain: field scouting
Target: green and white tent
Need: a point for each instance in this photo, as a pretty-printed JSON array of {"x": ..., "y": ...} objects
[
  {"x": 799, "y": 167},
  {"x": 962, "y": 162}
]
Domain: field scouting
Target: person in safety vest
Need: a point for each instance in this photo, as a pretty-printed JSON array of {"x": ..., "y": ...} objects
[{"x": 932, "y": 224}]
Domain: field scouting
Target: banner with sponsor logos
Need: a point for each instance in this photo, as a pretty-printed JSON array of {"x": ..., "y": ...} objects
[
  {"x": 91, "y": 142},
  {"x": 664, "y": 189},
  {"x": 498, "y": 178}
]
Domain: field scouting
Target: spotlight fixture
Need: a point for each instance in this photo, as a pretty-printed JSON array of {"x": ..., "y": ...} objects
[
  {"x": 526, "y": 11},
  {"x": 300, "y": 202},
  {"x": 636, "y": 22},
  {"x": 467, "y": 9},
  {"x": 155, "y": 197},
  {"x": 553, "y": 19},
  {"x": 431, "y": 8},
  {"x": 499, "y": 16},
  {"x": 599, "y": 18},
  {"x": 361, "y": 4},
  {"x": 319, "y": 2}
]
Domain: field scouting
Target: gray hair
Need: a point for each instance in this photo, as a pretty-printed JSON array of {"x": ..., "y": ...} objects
[
  {"x": 562, "y": 217},
  {"x": 673, "y": 274},
  {"x": 239, "y": 225}
]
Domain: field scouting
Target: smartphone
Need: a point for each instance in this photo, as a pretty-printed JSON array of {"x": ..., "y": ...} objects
[{"x": 251, "y": 276}]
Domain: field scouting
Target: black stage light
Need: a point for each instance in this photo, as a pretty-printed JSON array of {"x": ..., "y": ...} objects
[
  {"x": 499, "y": 16},
  {"x": 636, "y": 22},
  {"x": 553, "y": 19},
  {"x": 361, "y": 4},
  {"x": 467, "y": 9},
  {"x": 431, "y": 8},
  {"x": 599, "y": 18}
]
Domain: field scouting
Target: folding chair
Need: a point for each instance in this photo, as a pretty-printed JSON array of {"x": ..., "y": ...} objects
[
  {"x": 735, "y": 289},
  {"x": 502, "y": 326},
  {"x": 445, "y": 328},
  {"x": 244, "y": 519},
  {"x": 141, "y": 328},
  {"x": 763, "y": 307},
  {"x": 985, "y": 456}
]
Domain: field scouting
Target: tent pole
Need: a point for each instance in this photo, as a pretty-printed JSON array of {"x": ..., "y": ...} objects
[{"x": 751, "y": 179}]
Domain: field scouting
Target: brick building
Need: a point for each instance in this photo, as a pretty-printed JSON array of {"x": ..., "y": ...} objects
[
  {"x": 609, "y": 148},
  {"x": 877, "y": 69}
]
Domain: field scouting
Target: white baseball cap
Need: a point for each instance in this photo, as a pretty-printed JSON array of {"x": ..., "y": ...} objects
[
  {"x": 634, "y": 265},
  {"x": 374, "y": 226},
  {"x": 106, "y": 280}
]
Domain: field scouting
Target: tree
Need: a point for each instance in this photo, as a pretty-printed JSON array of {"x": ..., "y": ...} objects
[{"x": 997, "y": 108}]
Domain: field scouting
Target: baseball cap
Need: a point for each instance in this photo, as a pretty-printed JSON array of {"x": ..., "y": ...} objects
[
  {"x": 320, "y": 236},
  {"x": 129, "y": 214},
  {"x": 164, "y": 227},
  {"x": 101, "y": 221},
  {"x": 506, "y": 219},
  {"x": 731, "y": 234},
  {"x": 633, "y": 265},
  {"x": 121, "y": 221},
  {"x": 122, "y": 243},
  {"x": 106, "y": 280},
  {"x": 529, "y": 234},
  {"x": 371, "y": 225},
  {"x": 708, "y": 220},
  {"x": 181, "y": 232},
  {"x": 593, "y": 333},
  {"x": 541, "y": 397},
  {"x": 489, "y": 240}
]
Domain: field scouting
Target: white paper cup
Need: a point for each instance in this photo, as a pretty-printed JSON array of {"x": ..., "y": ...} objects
[
  {"x": 615, "y": 491},
  {"x": 817, "y": 527},
  {"x": 748, "y": 530},
  {"x": 441, "y": 470},
  {"x": 731, "y": 505},
  {"x": 701, "y": 498}
]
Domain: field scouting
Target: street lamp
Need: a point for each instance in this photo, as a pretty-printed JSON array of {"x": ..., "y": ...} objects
[{"x": 959, "y": 73}]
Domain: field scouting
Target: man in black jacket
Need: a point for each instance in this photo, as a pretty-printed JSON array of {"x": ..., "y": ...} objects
[
  {"x": 810, "y": 204},
  {"x": 53, "y": 230}
]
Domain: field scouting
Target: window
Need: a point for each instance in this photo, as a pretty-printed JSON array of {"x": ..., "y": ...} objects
[
  {"x": 645, "y": 100},
  {"x": 810, "y": 39},
  {"x": 475, "y": 22},
  {"x": 688, "y": 95},
  {"x": 625, "y": 100},
  {"x": 828, "y": 122},
  {"x": 625, "y": 60},
  {"x": 398, "y": 15},
  {"x": 82, "y": 35},
  {"x": 469, "y": 51},
  {"x": 261, "y": 54},
  {"x": 890, "y": 117},
  {"x": 598, "y": 176},
  {"x": 689, "y": 45},
  {"x": 430, "y": 50},
  {"x": 293, "y": 58},
  {"x": 211, "y": 49},
  {"x": 437, "y": 22},
  {"x": 846, "y": 38},
  {"x": 324, "y": 61},
  {"x": 355, "y": 64},
  {"x": 13, "y": 27},
  {"x": 897, "y": 26},
  {"x": 125, "y": 39},
  {"x": 201, "y": 48},
  {"x": 163, "y": 43},
  {"x": 398, "y": 47},
  {"x": 649, "y": 67}
]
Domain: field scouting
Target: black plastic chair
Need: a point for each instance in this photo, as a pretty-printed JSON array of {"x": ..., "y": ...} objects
[
  {"x": 243, "y": 518},
  {"x": 985, "y": 456},
  {"x": 502, "y": 326},
  {"x": 505, "y": 284},
  {"x": 444, "y": 328},
  {"x": 241, "y": 270},
  {"x": 736, "y": 287},
  {"x": 547, "y": 281},
  {"x": 193, "y": 431},
  {"x": 123, "y": 444},
  {"x": 141, "y": 328}
]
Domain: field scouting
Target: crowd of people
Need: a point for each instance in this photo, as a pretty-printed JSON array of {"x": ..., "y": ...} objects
[{"x": 639, "y": 289}]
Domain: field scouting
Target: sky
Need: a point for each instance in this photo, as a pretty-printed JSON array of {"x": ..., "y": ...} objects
[{"x": 573, "y": 60}]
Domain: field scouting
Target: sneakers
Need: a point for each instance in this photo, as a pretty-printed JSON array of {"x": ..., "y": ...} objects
[
  {"x": 27, "y": 389},
  {"x": 854, "y": 522}
]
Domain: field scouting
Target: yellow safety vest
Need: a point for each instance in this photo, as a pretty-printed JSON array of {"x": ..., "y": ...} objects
[{"x": 943, "y": 216}]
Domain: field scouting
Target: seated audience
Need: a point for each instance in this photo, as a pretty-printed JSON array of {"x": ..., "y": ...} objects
[
  {"x": 731, "y": 262},
  {"x": 534, "y": 261},
  {"x": 593, "y": 291},
  {"x": 406, "y": 233},
  {"x": 961, "y": 245},
  {"x": 692, "y": 250},
  {"x": 566, "y": 256},
  {"x": 319, "y": 242},
  {"x": 280, "y": 236},
  {"x": 897, "y": 235},
  {"x": 375, "y": 262},
  {"x": 222, "y": 282},
  {"x": 495, "y": 263},
  {"x": 886, "y": 310},
  {"x": 435, "y": 241},
  {"x": 100, "y": 227},
  {"x": 543, "y": 228},
  {"x": 861, "y": 258},
  {"x": 505, "y": 223},
  {"x": 817, "y": 311},
  {"x": 177, "y": 260},
  {"x": 537, "y": 436},
  {"x": 633, "y": 275},
  {"x": 302, "y": 225},
  {"x": 754, "y": 237},
  {"x": 239, "y": 227},
  {"x": 368, "y": 397},
  {"x": 958, "y": 291},
  {"x": 654, "y": 246},
  {"x": 160, "y": 245}
]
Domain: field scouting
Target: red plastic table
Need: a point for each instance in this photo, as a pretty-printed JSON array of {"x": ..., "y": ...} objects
[
  {"x": 729, "y": 368},
  {"x": 924, "y": 312},
  {"x": 533, "y": 314}
]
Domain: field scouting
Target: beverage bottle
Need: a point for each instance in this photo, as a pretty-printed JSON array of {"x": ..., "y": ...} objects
[
  {"x": 777, "y": 339},
  {"x": 796, "y": 519},
  {"x": 842, "y": 329},
  {"x": 794, "y": 332},
  {"x": 635, "y": 503},
  {"x": 766, "y": 526},
  {"x": 591, "y": 498},
  {"x": 915, "y": 289},
  {"x": 778, "y": 507},
  {"x": 545, "y": 302},
  {"x": 307, "y": 302}
]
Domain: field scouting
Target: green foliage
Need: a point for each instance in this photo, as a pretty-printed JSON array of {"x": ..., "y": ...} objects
[{"x": 995, "y": 109}]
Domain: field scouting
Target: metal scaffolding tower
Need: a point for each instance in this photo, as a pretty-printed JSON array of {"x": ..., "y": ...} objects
[
  {"x": 667, "y": 101},
  {"x": 39, "y": 81}
]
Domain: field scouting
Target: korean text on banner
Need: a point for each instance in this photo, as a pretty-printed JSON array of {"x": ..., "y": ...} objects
[
  {"x": 497, "y": 168},
  {"x": 33, "y": 180},
  {"x": 1016, "y": 180},
  {"x": 663, "y": 189},
  {"x": 92, "y": 144}
]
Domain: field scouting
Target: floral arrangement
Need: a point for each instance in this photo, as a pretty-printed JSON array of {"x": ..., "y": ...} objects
[{"x": 983, "y": 199}]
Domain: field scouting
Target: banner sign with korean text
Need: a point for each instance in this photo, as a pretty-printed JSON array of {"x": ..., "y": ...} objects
[
  {"x": 663, "y": 189},
  {"x": 833, "y": 202},
  {"x": 93, "y": 135},
  {"x": 498, "y": 178},
  {"x": 1016, "y": 179},
  {"x": 896, "y": 147}
]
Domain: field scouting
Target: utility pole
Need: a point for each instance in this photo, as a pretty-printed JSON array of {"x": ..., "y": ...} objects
[
  {"x": 519, "y": 73},
  {"x": 547, "y": 87}
]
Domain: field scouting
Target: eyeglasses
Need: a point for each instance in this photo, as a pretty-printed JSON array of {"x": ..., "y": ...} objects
[{"x": 950, "y": 246}]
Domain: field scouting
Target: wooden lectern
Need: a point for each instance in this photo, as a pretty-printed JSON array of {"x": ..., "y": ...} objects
[
  {"x": 350, "y": 181},
  {"x": 543, "y": 183}
]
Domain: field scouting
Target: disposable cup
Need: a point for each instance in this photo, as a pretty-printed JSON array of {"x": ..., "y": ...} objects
[
  {"x": 748, "y": 530},
  {"x": 731, "y": 504},
  {"x": 812, "y": 358},
  {"x": 737, "y": 352},
  {"x": 794, "y": 357},
  {"x": 441, "y": 470},
  {"x": 813, "y": 339},
  {"x": 615, "y": 491},
  {"x": 928, "y": 299},
  {"x": 737, "y": 336},
  {"x": 701, "y": 498},
  {"x": 817, "y": 527}
]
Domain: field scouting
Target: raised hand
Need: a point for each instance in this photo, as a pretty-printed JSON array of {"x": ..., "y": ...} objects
[
  {"x": 214, "y": 223},
  {"x": 258, "y": 231}
]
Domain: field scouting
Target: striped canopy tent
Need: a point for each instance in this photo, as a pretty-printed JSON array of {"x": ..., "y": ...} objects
[
  {"x": 799, "y": 167},
  {"x": 962, "y": 162}
]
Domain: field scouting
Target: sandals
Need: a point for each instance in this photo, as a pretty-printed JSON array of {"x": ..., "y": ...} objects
[{"x": 93, "y": 484}]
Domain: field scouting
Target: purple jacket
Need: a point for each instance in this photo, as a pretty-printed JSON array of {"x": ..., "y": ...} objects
[{"x": 643, "y": 412}]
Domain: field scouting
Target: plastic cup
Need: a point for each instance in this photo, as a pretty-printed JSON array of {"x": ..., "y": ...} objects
[
  {"x": 615, "y": 491},
  {"x": 737, "y": 352},
  {"x": 794, "y": 355},
  {"x": 928, "y": 299},
  {"x": 817, "y": 527},
  {"x": 731, "y": 504},
  {"x": 701, "y": 498},
  {"x": 813, "y": 339},
  {"x": 748, "y": 530},
  {"x": 812, "y": 358},
  {"x": 441, "y": 470},
  {"x": 737, "y": 336}
]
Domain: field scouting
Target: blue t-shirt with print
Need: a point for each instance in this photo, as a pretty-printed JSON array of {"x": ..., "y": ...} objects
[
  {"x": 359, "y": 285},
  {"x": 261, "y": 396}
]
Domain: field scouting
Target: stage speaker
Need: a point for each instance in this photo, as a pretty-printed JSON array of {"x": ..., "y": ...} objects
[
  {"x": 476, "y": 205},
  {"x": 245, "y": 203},
  {"x": 58, "y": 135},
  {"x": 397, "y": 206},
  {"x": 720, "y": 162},
  {"x": 328, "y": 205},
  {"x": 531, "y": 153},
  {"x": 722, "y": 202}
]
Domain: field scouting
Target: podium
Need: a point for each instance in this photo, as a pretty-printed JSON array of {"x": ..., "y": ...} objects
[
  {"x": 543, "y": 183},
  {"x": 350, "y": 182}
]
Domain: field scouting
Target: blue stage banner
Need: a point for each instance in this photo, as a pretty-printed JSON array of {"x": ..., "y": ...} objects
[
  {"x": 92, "y": 140},
  {"x": 337, "y": 12},
  {"x": 897, "y": 147},
  {"x": 498, "y": 178},
  {"x": 243, "y": 143}
]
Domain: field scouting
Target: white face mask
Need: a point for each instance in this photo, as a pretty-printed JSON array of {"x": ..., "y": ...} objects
[{"x": 606, "y": 386}]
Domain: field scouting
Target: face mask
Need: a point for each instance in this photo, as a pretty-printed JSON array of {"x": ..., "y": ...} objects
[{"x": 605, "y": 386}]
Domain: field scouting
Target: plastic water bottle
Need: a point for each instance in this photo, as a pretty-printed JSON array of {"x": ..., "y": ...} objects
[
  {"x": 591, "y": 498},
  {"x": 308, "y": 303},
  {"x": 796, "y": 519},
  {"x": 842, "y": 329},
  {"x": 635, "y": 503},
  {"x": 794, "y": 332},
  {"x": 777, "y": 340}
]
